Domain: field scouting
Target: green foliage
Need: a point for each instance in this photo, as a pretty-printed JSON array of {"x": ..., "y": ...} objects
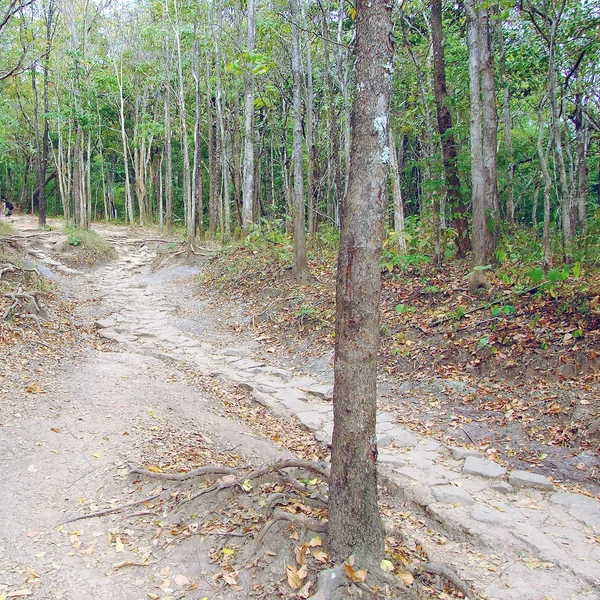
[
  {"x": 403, "y": 308},
  {"x": 498, "y": 311}
]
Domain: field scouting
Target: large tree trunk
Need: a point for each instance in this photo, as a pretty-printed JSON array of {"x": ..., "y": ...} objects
[
  {"x": 248, "y": 181},
  {"x": 300, "y": 268},
  {"x": 490, "y": 133},
  {"x": 44, "y": 146},
  {"x": 355, "y": 526},
  {"x": 79, "y": 181},
  {"x": 444, "y": 121}
]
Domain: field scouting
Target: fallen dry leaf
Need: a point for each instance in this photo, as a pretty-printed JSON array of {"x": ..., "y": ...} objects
[
  {"x": 181, "y": 580},
  {"x": 293, "y": 578},
  {"x": 357, "y": 576}
]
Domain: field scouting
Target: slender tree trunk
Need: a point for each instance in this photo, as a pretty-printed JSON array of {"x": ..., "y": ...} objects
[
  {"x": 41, "y": 180},
  {"x": 128, "y": 194},
  {"x": 300, "y": 268},
  {"x": 334, "y": 173},
  {"x": 397, "y": 196},
  {"x": 190, "y": 217},
  {"x": 490, "y": 133},
  {"x": 555, "y": 123},
  {"x": 355, "y": 526},
  {"x": 310, "y": 95},
  {"x": 543, "y": 156},
  {"x": 168, "y": 184},
  {"x": 224, "y": 142},
  {"x": 77, "y": 200},
  {"x": 197, "y": 169},
  {"x": 237, "y": 161},
  {"x": 88, "y": 181},
  {"x": 444, "y": 121},
  {"x": 510, "y": 159},
  {"x": 581, "y": 126},
  {"x": 248, "y": 180}
]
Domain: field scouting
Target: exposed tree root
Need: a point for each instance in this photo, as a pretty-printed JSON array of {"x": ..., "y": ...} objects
[
  {"x": 287, "y": 491},
  {"x": 440, "y": 570},
  {"x": 200, "y": 472},
  {"x": 114, "y": 509}
]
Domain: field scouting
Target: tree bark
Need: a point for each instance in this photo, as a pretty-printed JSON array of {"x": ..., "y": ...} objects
[
  {"x": 168, "y": 183},
  {"x": 543, "y": 156},
  {"x": 248, "y": 181},
  {"x": 197, "y": 168},
  {"x": 483, "y": 128},
  {"x": 510, "y": 159},
  {"x": 190, "y": 216},
  {"x": 310, "y": 146},
  {"x": 128, "y": 194},
  {"x": 444, "y": 122},
  {"x": 355, "y": 526},
  {"x": 300, "y": 268},
  {"x": 224, "y": 140},
  {"x": 397, "y": 197}
]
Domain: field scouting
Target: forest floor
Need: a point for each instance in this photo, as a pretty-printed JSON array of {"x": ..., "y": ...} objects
[{"x": 118, "y": 379}]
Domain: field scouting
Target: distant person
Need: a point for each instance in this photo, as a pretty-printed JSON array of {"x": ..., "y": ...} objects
[{"x": 8, "y": 208}]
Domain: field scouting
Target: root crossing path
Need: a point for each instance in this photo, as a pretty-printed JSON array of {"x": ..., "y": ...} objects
[{"x": 512, "y": 535}]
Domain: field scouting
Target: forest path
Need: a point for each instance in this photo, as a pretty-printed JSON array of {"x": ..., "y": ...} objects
[{"x": 65, "y": 452}]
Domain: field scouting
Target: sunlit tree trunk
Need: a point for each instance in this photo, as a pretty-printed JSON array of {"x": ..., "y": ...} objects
[
  {"x": 397, "y": 196},
  {"x": 248, "y": 179},
  {"x": 128, "y": 194}
]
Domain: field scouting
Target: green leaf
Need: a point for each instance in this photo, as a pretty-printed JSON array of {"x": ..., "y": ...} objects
[
  {"x": 554, "y": 276},
  {"x": 536, "y": 275},
  {"x": 484, "y": 342}
]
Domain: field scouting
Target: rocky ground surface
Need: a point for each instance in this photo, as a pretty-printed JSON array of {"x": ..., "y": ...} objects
[{"x": 513, "y": 535}]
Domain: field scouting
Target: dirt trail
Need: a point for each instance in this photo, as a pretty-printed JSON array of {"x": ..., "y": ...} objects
[{"x": 64, "y": 452}]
